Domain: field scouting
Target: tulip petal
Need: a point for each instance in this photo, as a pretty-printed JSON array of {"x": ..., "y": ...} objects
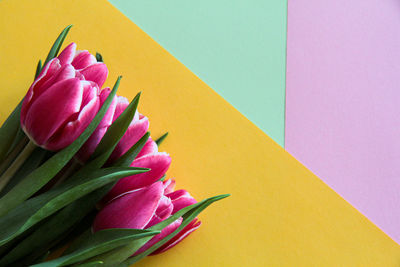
[
  {"x": 164, "y": 210},
  {"x": 47, "y": 73},
  {"x": 35, "y": 89},
  {"x": 190, "y": 228},
  {"x": 158, "y": 163},
  {"x": 181, "y": 199},
  {"x": 164, "y": 233},
  {"x": 96, "y": 72},
  {"x": 64, "y": 73},
  {"x": 149, "y": 148},
  {"x": 108, "y": 117},
  {"x": 83, "y": 59},
  {"x": 90, "y": 146},
  {"x": 169, "y": 186},
  {"x": 134, "y": 132},
  {"x": 75, "y": 127},
  {"x": 50, "y": 111},
  {"x": 68, "y": 54},
  {"x": 122, "y": 104},
  {"x": 131, "y": 210}
]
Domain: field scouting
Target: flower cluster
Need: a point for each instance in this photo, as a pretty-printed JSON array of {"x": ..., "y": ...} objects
[
  {"x": 64, "y": 99},
  {"x": 78, "y": 167},
  {"x": 62, "y": 102}
]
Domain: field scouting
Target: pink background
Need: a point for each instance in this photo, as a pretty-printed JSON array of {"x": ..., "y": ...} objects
[{"x": 343, "y": 100}]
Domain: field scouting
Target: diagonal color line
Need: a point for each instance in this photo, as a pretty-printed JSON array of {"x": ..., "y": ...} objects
[
  {"x": 236, "y": 47},
  {"x": 280, "y": 214}
]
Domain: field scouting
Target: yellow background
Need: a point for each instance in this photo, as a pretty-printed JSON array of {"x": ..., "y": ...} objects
[{"x": 279, "y": 214}]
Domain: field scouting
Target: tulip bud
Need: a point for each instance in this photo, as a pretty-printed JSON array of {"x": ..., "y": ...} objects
[
  {"x": 63, "y": 100},
  {"x": 90, "y": 145},
  {"x": 85, "y": 63},
  {"x": 149, "y": 157},
  {"x": 137, "y": 128},
  {"x": 145, "y": 207}
]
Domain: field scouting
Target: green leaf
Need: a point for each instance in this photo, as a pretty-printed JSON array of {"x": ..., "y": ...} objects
[
  {"x": 161, "y": 139},
  {"x": 9, "y": 130},
  {"x": 117, "y": 128},
  {"x": 60, "y": 224},
  {"x": 57, "y": 45},
  {"x": 19, "y": 137},
  {"x": 91, "y": 264},
  {"x": 121, "y": 255},
  {"x": 72, "y": 214},
  {"x": 99, "y": 243},
  {"x": 38, "y": 68},
  {"x": 13, "y": 153},
  {"x": 29, "y": 261},
  {"x": 187, "y": 216},
  {"x": 36, "y": 209},
  {"x": 43, "y": 257},
  {"x": 34, "y": 160},
  {"x": 10, "y": 127},
  {"x": 99, "y": 57},
  {"x": 54, "y": 228},
  {"x": 38, "y": 178},
  {"x": 131, "y": 154},
  {"x": 64, "y": 238},
  {"x": 69, "y": 216},
  {"x": 77, "y": 243},
  {"x": 76, "y": 231},
  {"x": 111, "y": 138}
]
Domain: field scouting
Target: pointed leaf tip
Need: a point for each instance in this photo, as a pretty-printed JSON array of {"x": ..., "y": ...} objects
[
  {"x": 38, "y": 68},
  {"x": 161, "y": 139},
  {"x": 99, "y": 57},
  {"x": 57, "y": 44}
]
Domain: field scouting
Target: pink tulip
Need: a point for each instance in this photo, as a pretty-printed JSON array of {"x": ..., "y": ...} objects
[
  {"x": 64, "y": 99},
  {"x": 135, "y": 131},
  {"x": 85, "y": 64},
  {"x": 145, "y": 207},
  {"x": 149, "y": 157},
  {"x": 90, "y": 146}
]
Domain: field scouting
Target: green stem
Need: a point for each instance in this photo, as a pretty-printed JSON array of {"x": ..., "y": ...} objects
[
  {"x": 68, "y": 172},
  {"x": 9, "y": 173},
  {"x": 13, "y": 154}
]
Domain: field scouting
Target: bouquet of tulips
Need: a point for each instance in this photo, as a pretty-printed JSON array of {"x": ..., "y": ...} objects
[{"x": 81, "y": 180}]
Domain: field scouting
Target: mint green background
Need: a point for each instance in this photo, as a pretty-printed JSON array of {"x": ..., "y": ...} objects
[{"x": 237, "y": 47}]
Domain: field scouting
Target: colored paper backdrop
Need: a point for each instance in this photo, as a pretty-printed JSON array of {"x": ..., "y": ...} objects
[
  {"x": 343, "y": 98},
  {"x": 237, "y": 47},
  {"x": 279, "y": 214}
]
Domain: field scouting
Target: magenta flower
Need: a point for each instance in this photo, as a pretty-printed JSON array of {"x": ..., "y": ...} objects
[
  {"x": 149, "y": 157},
  {"x": 64, "y": 99},
  {"x": 145, "y": 207},
  {"x": 90, "y": 145},
  {"x": 84, "y": 63},
  {"x": 135, "y": 131}
]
